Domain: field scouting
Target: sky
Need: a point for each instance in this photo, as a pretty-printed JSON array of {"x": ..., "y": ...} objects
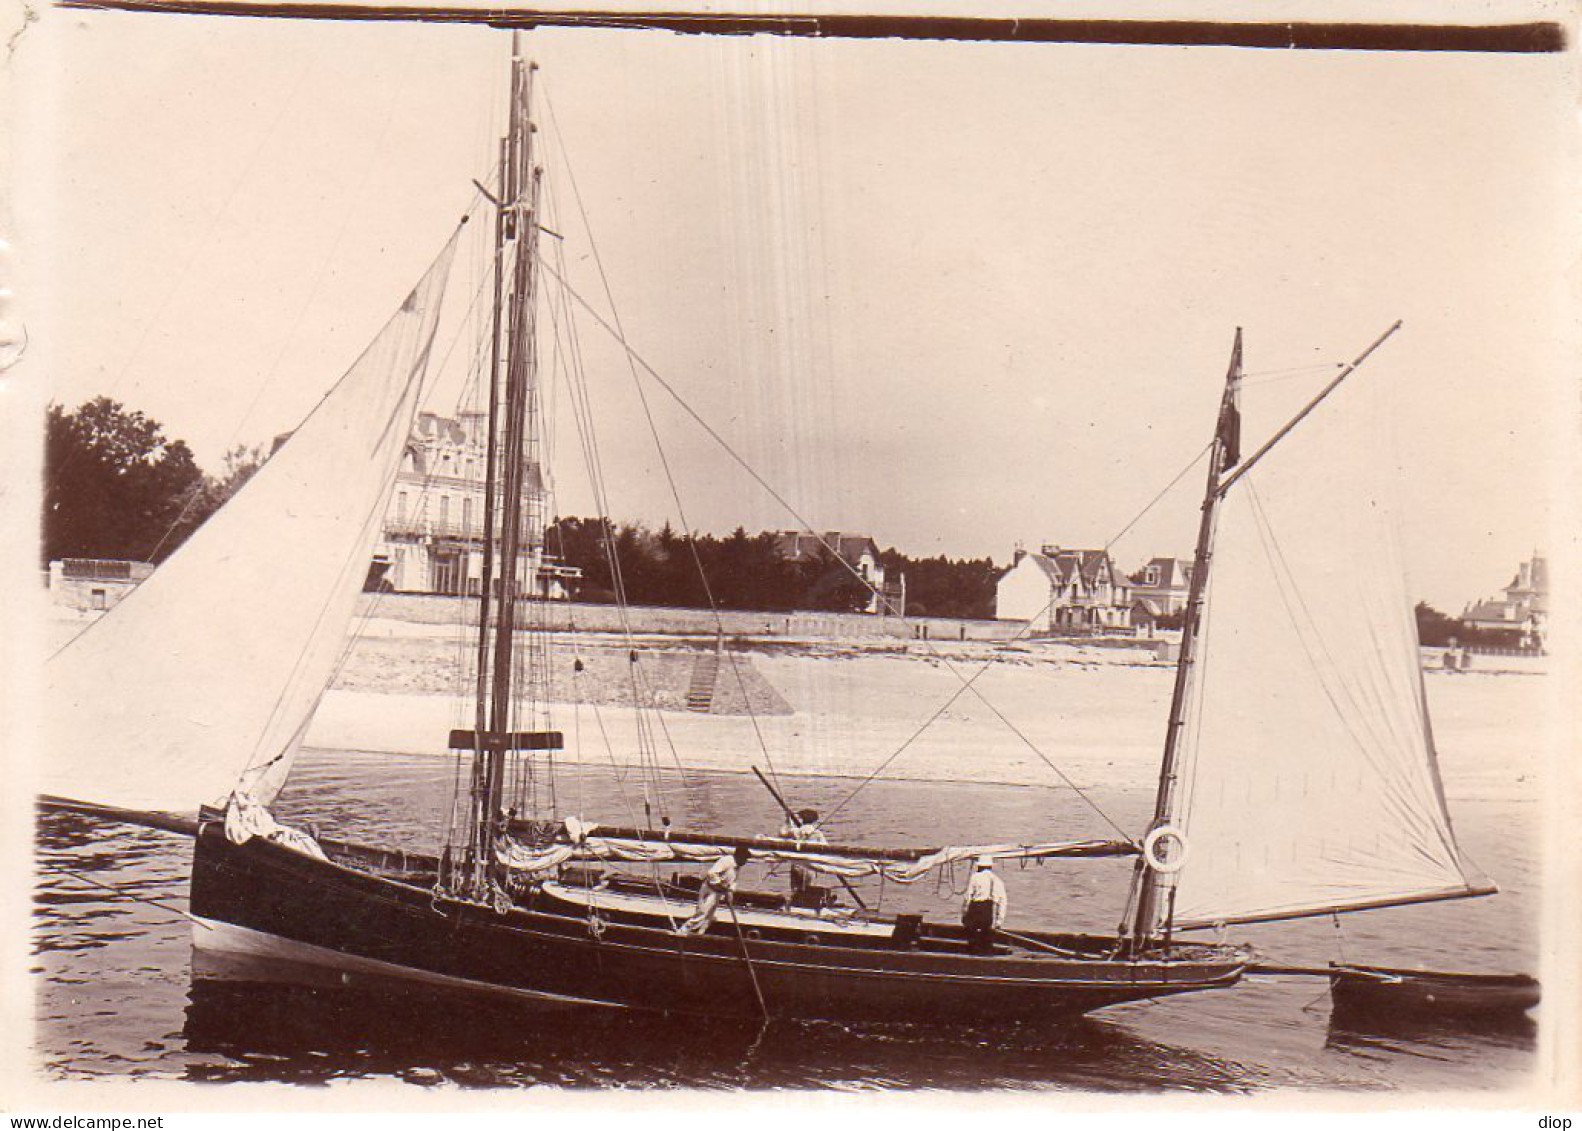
[{"x": 958, "y": 297}]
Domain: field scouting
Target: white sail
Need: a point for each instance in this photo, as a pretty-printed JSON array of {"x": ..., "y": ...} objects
[
  {"x": 1309, "y": 778},
  {"x": 213, "y": 666}
]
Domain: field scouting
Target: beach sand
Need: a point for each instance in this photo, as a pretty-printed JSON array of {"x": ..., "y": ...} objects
[{"x": 820, "y": 707}]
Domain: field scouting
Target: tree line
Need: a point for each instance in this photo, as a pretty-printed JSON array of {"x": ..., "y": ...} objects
[
  {"x": 115, "y": 486},
  {"x": 748, "y": 571}
]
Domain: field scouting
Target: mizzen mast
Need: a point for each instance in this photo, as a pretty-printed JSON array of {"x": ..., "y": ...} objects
[{"x": 1224, "y": 453}]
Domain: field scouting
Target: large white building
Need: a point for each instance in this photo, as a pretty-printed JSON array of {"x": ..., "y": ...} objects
[
  {"x": 434, "y": 529},
  {"x": 1065, "y": 591},
  {"x": 1524, "y": 608}
]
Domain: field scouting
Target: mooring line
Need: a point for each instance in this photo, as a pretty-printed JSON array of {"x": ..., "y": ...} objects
[{"x": 125, "y": 894}]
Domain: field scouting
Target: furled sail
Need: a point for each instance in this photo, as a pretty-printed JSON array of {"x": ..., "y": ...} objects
[
  {"x": 212, "y": 667},
  {"x": 1309, "y": 777},
  {"x": 584, "y": 841}
]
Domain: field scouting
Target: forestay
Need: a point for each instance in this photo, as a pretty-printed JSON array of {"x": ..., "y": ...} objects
[
  {"x": 214, "y": 665},
  {"x": 1309, "y": 776}
]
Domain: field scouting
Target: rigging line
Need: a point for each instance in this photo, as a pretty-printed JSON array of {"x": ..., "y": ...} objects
[
  {"x": 122, "y": 892},
  {"x": 984, "y": 666},
  {"x": 670, "y": 742},
  {"x": 967, "y": 684},
  {"x": 1312, "y": 367},
  {"x": 737, "y": 458},
  {"x": 1313, "y": 372},
  {"x": 647, "y": 748},
  {"x": 583, "y": 415},
  {"x": 465, "y": 654},
  {"x": 653, "y": 428},
  {"x": 197, "y": 491},
  {"x": 637, "y": 360},
  {"x": 193, "y": 496},
  {"x": 1195, "y": 691},
  {"x": 658, "y": 443},
  {"x": 1162, "y": 493},
  {"x": 615, "y": 767},
  {"x": 359, "y": 625},
  {"x": 312, "y": 293},
  {"x": 414, "y": 383},
  {"x": 713, "y": 434}
]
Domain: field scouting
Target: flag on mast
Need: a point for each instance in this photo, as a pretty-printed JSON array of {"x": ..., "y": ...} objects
[{"x": 1229, "y": 413}]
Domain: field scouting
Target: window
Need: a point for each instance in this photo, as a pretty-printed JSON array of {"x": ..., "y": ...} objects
[
  {"x": 466, "y": 515},
  {"x": 401, "y": 507},
  {"x": 444, "y": 511}
]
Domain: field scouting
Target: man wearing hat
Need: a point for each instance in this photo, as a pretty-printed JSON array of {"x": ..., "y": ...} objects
[
  {"x": 802, "y": 827},
  {"x": 983, "y": 908}
]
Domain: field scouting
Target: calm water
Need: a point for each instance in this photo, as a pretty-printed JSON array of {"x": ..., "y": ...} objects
[{"x": 118, "y": 997}]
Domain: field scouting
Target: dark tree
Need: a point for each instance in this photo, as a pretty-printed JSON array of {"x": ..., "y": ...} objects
[
  {"x": 114, "y": 486},
  {"x": 1435, "y": 629},
  {"x": 946, "y": 587}
]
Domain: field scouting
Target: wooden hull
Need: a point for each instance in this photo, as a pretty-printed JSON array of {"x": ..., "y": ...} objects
[
  {"x": 1361, "y": 990},
  {"x": 263, "y": 897}
]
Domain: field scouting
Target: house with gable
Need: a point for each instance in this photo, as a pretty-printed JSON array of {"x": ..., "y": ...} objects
[
  {"x": 1065, "y": 591},
  {"x": 1524, "y": 608},
  {"x": 861, "y": 556},
  {"x": 1160, "y": 589}
]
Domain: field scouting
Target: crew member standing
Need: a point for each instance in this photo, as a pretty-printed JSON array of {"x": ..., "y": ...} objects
[
  {"x": 803, "y": 828},
  {"x": 983, "y": 908},
  {"x": 719, "y": 881}
]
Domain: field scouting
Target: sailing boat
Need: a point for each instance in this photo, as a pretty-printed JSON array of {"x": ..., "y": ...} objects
[{"x": 526, "y": 908}]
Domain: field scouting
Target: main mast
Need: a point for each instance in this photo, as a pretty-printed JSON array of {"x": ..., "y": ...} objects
[
  {"x": 514, "y": 348},
  {"x": 1224, "y": 453}
]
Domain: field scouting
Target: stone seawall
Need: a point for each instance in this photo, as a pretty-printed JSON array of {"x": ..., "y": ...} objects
[{"x": 569, "y": 616}]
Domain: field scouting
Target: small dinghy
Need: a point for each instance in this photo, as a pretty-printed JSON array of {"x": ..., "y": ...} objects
[{"x": 1360, "y": 990}]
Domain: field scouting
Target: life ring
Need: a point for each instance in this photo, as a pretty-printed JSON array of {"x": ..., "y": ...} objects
[{"x": 1151, "y": 850}]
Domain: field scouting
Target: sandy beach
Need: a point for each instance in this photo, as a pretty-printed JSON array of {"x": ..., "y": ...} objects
[{"x": 842, "y": 709}]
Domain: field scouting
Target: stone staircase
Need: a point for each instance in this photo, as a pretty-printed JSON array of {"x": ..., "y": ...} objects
[{"x": 705, "y": 675}]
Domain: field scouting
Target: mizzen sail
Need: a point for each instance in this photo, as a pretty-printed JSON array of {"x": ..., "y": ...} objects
[
  {"x": 212, "y": 667},
  {"x": 1309, "y": 778}
]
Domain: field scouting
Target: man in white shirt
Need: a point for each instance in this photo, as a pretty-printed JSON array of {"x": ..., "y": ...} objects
[
  {"x": 719, "y": 881},
  {"x": 983, "y": 907},
  {"x": 803, "y": 828}
]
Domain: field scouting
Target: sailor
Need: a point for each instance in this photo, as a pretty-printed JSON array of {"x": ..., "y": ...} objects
[
  {"x": 720, "y": 880},
  {"x": 983, "y": 908},
  {"x": 802, "y": 827}
]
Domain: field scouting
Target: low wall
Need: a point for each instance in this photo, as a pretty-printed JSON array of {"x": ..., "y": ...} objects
[{"x": 571, "y": 616}]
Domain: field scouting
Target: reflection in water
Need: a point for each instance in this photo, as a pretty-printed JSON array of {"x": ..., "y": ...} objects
[
  {"x": 308, "y": 1034},
  {"x": 1430, "y": 1034}
]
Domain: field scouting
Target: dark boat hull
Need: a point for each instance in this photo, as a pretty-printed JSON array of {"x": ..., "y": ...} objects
[
  {"x": 1363, "y": 990},
  {"x": 268, "y": 900}
]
